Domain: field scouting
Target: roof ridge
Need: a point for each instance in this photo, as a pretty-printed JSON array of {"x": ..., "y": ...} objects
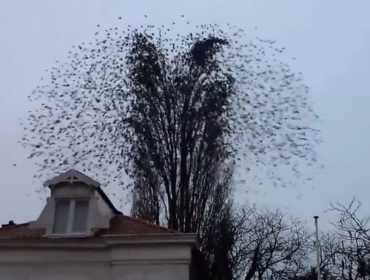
[
  {"x": 150, "y": 224},
  {"x": 15, "y": 225}
]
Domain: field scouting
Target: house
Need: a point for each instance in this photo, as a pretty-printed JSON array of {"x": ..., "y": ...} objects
[{"x": 80, "y": 235}]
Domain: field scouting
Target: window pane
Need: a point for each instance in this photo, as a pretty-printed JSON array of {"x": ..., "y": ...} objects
[
  {"x": 80, "y": 216},
  {"x": 61, "y": 217}
]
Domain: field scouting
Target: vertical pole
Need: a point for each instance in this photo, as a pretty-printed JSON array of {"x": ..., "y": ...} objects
[{"x": 317, "y": 248}]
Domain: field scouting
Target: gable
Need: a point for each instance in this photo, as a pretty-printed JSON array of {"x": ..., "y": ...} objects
[{"x": 72, "y": 176}]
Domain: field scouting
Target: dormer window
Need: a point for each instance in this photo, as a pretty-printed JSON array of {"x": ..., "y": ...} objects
[
  {"x": 77, "y": 206},
  {"x": 70, "y": 216}
]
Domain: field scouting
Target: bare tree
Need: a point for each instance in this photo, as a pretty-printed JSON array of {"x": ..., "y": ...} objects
[
  {"x": 330, "y": 248},
  {"x": 350, "y": 226},
  {"x": 274, "y": 247},
  {"x": 340, "y": 258},
  {"x": 353, "y": 240},
  {"x": 311, "y": 274},
  {"x": 223, "y": 243},
  {"x": 330, "y": 258},
  {"x": 258, "y": 244}
]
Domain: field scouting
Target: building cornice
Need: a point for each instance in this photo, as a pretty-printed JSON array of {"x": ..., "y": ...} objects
[{"x": 105, "y": 241}]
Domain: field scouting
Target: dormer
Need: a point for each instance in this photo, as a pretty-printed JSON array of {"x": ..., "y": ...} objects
[{"x": 77, "y": 206}]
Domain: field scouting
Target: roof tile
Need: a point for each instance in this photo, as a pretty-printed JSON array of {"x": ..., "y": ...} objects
[{"x": 119, "y": 224}]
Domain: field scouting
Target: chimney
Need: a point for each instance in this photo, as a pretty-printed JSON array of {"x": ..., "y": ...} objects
[{"x": 11, "y": 223}]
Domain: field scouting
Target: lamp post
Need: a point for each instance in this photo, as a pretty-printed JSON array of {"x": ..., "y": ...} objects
[{"x": 317, "y": 248}]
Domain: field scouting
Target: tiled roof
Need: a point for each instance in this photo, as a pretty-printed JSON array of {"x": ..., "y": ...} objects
[{"x": 119, "y": 224}]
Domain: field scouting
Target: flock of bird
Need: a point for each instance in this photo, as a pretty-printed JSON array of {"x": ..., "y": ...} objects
[{"x": 82, "y": 105}]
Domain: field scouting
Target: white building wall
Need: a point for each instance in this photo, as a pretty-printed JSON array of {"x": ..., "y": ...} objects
[{"x": 130, "y": 263}]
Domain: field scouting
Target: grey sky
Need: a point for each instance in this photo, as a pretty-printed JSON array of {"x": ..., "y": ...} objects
[{"x": 329, "y": 38}]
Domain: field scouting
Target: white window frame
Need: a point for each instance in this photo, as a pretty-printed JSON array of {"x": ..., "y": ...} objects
[{"x": 70, "y": 218}]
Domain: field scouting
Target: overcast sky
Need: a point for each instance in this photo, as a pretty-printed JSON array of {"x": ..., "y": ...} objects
[{"x": 329, "y": 38}]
